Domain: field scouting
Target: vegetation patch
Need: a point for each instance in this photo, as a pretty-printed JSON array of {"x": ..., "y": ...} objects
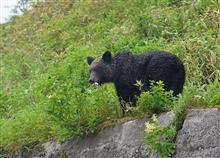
[
  {"x": 160, "y": 139},
  {"x": 157, "y": 100}
]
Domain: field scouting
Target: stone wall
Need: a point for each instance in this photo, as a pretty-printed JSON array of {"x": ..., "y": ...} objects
[{"x": 198, "y": 138}]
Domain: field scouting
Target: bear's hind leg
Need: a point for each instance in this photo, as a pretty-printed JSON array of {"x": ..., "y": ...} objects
[{"x": 178, "y": 80}]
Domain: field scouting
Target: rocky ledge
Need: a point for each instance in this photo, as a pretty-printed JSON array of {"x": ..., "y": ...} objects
[
  {"x": 198, "y": 138},
  {"x": 200, "y": 135}
]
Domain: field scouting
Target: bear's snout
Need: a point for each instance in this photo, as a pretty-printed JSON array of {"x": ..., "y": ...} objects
[
  {"x": 94, "y": 77},
  {"x": 91, "y": 81}
]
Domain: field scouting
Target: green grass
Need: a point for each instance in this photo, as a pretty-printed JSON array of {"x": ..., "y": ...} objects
[{"x": 44, "y": 91}]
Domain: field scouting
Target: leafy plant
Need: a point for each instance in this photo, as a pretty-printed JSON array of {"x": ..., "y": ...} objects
[
  {"x": 156, "y": 100},
  {"x": 160, "y": 139}
]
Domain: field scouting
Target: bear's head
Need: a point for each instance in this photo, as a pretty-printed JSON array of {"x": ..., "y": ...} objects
[{"x": 101, "y": 70}]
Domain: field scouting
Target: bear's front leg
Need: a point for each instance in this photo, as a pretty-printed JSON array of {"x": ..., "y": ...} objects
[{"x": 127, "y": 95}]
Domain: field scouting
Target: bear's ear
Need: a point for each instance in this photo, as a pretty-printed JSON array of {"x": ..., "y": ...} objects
[
  {"x": 90, "y": 60},
  {"x": 107, "y": 57}
]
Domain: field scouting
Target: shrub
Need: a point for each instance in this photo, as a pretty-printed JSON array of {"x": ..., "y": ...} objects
[
  {"x": 160, "y": 139},
  {"x": 155, "y": 100},
  {"x": 64, "y": 93},
  {"x": 27, "y": 126}
]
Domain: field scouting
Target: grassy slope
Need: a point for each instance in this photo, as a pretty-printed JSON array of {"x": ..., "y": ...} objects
[{"x": 44, "y": 90}]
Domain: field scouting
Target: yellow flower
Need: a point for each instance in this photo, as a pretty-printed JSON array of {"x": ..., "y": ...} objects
[{"x": 149, "y": 127}]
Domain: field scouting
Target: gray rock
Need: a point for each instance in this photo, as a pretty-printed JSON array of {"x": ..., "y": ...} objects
[
  {"x": 120, "y": 141},
  {"x": 45, "y": 151},
  {"x": 200, "y": 135},
  {"x": 165, "y": 119},
  {"x": 51, "y": 148},
  {"x": 198, "y": 138}
]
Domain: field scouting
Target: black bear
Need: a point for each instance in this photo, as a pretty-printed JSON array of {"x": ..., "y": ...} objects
[{"x": 125, "y": 69}]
